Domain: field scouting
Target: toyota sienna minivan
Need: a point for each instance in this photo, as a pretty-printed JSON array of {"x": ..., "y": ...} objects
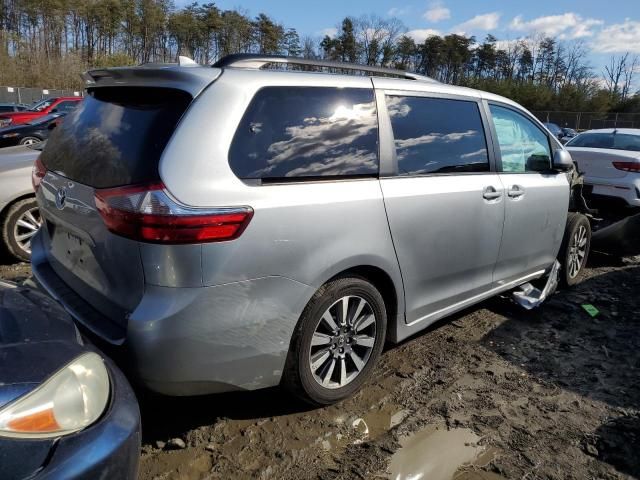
[{"x": 235, "y": 227}]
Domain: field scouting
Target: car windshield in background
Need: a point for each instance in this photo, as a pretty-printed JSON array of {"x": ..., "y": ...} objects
[
  {"x": 617, "y": 141},
  {"x": 38, "y": 107},
  {"x": 553, "y": 128},
  {"x": 115, "y": 136}
]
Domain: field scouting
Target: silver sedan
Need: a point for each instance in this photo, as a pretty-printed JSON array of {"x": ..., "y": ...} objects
[{"x": 19, "y": 214}]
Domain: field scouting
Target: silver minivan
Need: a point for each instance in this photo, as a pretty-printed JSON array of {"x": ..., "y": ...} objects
[{"x": 235, "y": 227}]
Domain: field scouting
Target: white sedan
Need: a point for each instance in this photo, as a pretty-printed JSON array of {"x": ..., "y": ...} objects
[{"x": 610, "y": 161}]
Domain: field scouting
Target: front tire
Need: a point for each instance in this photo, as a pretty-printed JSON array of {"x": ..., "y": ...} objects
[
  {"x": 337, "y": 342},
  {"x": 20, "y": 224},
  {"x": 575, "y": 249}
]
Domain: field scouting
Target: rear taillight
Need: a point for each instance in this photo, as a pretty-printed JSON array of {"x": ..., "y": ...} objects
[
  {"x": 147, "y": 213},
  {"x": 627, "y": 166},
  {"x": 37, "y": 173}
]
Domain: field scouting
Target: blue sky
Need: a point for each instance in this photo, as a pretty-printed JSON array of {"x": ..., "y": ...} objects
[{"x": 607, "y": 27}]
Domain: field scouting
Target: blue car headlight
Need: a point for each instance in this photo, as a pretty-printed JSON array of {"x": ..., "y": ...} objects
[{"x": 70, "y": 400}]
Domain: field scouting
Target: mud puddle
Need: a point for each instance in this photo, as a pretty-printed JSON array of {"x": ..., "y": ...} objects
[{"x": 436, "y": 453}]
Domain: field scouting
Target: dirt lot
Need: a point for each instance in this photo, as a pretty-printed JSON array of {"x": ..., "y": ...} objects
[{"x": 493, "y": 393}]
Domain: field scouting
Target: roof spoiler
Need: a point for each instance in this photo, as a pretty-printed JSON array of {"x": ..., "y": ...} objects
[{"x": 185, "y": 75}]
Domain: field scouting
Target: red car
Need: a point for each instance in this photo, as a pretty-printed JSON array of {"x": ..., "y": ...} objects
[{"x": 40, "y": 109}]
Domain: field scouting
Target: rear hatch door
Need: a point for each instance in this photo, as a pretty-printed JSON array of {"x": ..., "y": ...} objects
[{"x": 115, "y": 138}]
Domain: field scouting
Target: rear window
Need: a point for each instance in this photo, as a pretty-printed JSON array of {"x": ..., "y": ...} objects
[
  {"x": 592, "y": 140},
  {"x": 307, "y": 132},
  {"x": 116, "y": 135},
  {"x": 615, "y": 141}
]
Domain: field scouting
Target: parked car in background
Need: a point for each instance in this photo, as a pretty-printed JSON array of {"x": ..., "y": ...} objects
[
  {"x": 610, "y": 161},
  {"x": 31, "y": 132},
  {"x": 555, "y": 130},
  {"x": 66, "y": 411},
  {"x": 269, "y": 227},
  {"x": 568, "y": 133},
  {"x": 40, "y": 109},
  {"x": 12, "y": 107},
  {"x": 19, "y": 214}
]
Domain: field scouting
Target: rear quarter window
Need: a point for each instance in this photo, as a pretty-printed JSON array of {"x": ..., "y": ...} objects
[
  {"x": 115, "y": 136},
  {"x": 307, "y": 132}
]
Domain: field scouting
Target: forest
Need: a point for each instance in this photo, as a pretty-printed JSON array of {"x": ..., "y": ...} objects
[{"x": 48, "y": 43}]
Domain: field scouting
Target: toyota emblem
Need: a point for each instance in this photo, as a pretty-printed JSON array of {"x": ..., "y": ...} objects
[{"x": 61, "y": 197}]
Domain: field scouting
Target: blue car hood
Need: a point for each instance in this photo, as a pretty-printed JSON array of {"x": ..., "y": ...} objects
[{"x": 37, "y": 338}]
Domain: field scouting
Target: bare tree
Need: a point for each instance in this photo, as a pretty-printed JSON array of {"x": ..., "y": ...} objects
[
  {"x": 632, "y": 67},
  {"x": 618, "y": 75}
]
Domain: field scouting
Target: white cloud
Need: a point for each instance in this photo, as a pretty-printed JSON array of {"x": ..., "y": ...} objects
[
  {"x": 487, "y": 21},
  {"x": 330, "y": 32},
  {"x": 619, "y": 38},
  {"x": 398, "y": 11},
  {"x": 584, "y": 29},
  {"x": 566, "y": 26},
  {"x": 420, "y": 35},
  {"x": 437, "y": 12}
]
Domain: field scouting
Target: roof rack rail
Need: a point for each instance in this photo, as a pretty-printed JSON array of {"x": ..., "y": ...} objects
[{"x": 257, "y": 61}]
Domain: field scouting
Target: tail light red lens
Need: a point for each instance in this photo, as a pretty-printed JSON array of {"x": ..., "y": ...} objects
[
  {"x": 147, "y": 213},
  {"x": 37, "y": 173},
  {"x": 627, "y": 166}
]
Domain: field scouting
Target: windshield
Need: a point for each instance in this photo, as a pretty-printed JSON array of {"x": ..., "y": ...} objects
[{"x": 38, "y": 107}]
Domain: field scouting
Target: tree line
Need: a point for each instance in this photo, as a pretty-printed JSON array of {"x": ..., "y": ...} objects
[{"x": 49, "y": 42}]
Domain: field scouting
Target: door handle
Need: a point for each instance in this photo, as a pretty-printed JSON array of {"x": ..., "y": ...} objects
[
  {"x": 515, "y": 191},
  {"x": 490, "y": 193}
]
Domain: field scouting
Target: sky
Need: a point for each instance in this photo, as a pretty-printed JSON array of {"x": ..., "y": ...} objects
[{"x": 608, "y": 27}]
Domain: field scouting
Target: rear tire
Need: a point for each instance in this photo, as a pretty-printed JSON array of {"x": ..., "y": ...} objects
[
  {"x": 327, "y": 364},
  {"x": 18, "y": 227},
  {"x": 575, "y": 248}
]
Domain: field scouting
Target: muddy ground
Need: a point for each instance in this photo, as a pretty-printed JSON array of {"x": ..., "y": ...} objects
[{"x": 493, "y": 393}]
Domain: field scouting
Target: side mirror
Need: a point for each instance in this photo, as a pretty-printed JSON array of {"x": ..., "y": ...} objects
[
  {"x": 54, "y": 110},
  {"x": 562, "y": 160}
]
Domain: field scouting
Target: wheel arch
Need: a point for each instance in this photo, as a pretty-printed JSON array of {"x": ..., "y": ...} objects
[
  {"x": 391, "y": 291},
  {"x": 8, "y": 205}
]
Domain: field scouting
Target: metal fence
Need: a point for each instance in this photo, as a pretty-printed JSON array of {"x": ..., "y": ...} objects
[
  {"x": 589, "y": 120},
  {"x": 28, "y": 95}
]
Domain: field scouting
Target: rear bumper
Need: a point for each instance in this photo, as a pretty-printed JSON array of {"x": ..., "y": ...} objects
[
  {"x": 192, "y": 341},
  {"x": 624, "y": 188}
]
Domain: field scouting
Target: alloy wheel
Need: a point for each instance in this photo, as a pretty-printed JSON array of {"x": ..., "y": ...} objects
[
  {"x": 30, "y": 141},
  {"x": 26, "y": 227},
  {"x": 342, "y": 342},
  {"x": 577, "y": 251}
]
